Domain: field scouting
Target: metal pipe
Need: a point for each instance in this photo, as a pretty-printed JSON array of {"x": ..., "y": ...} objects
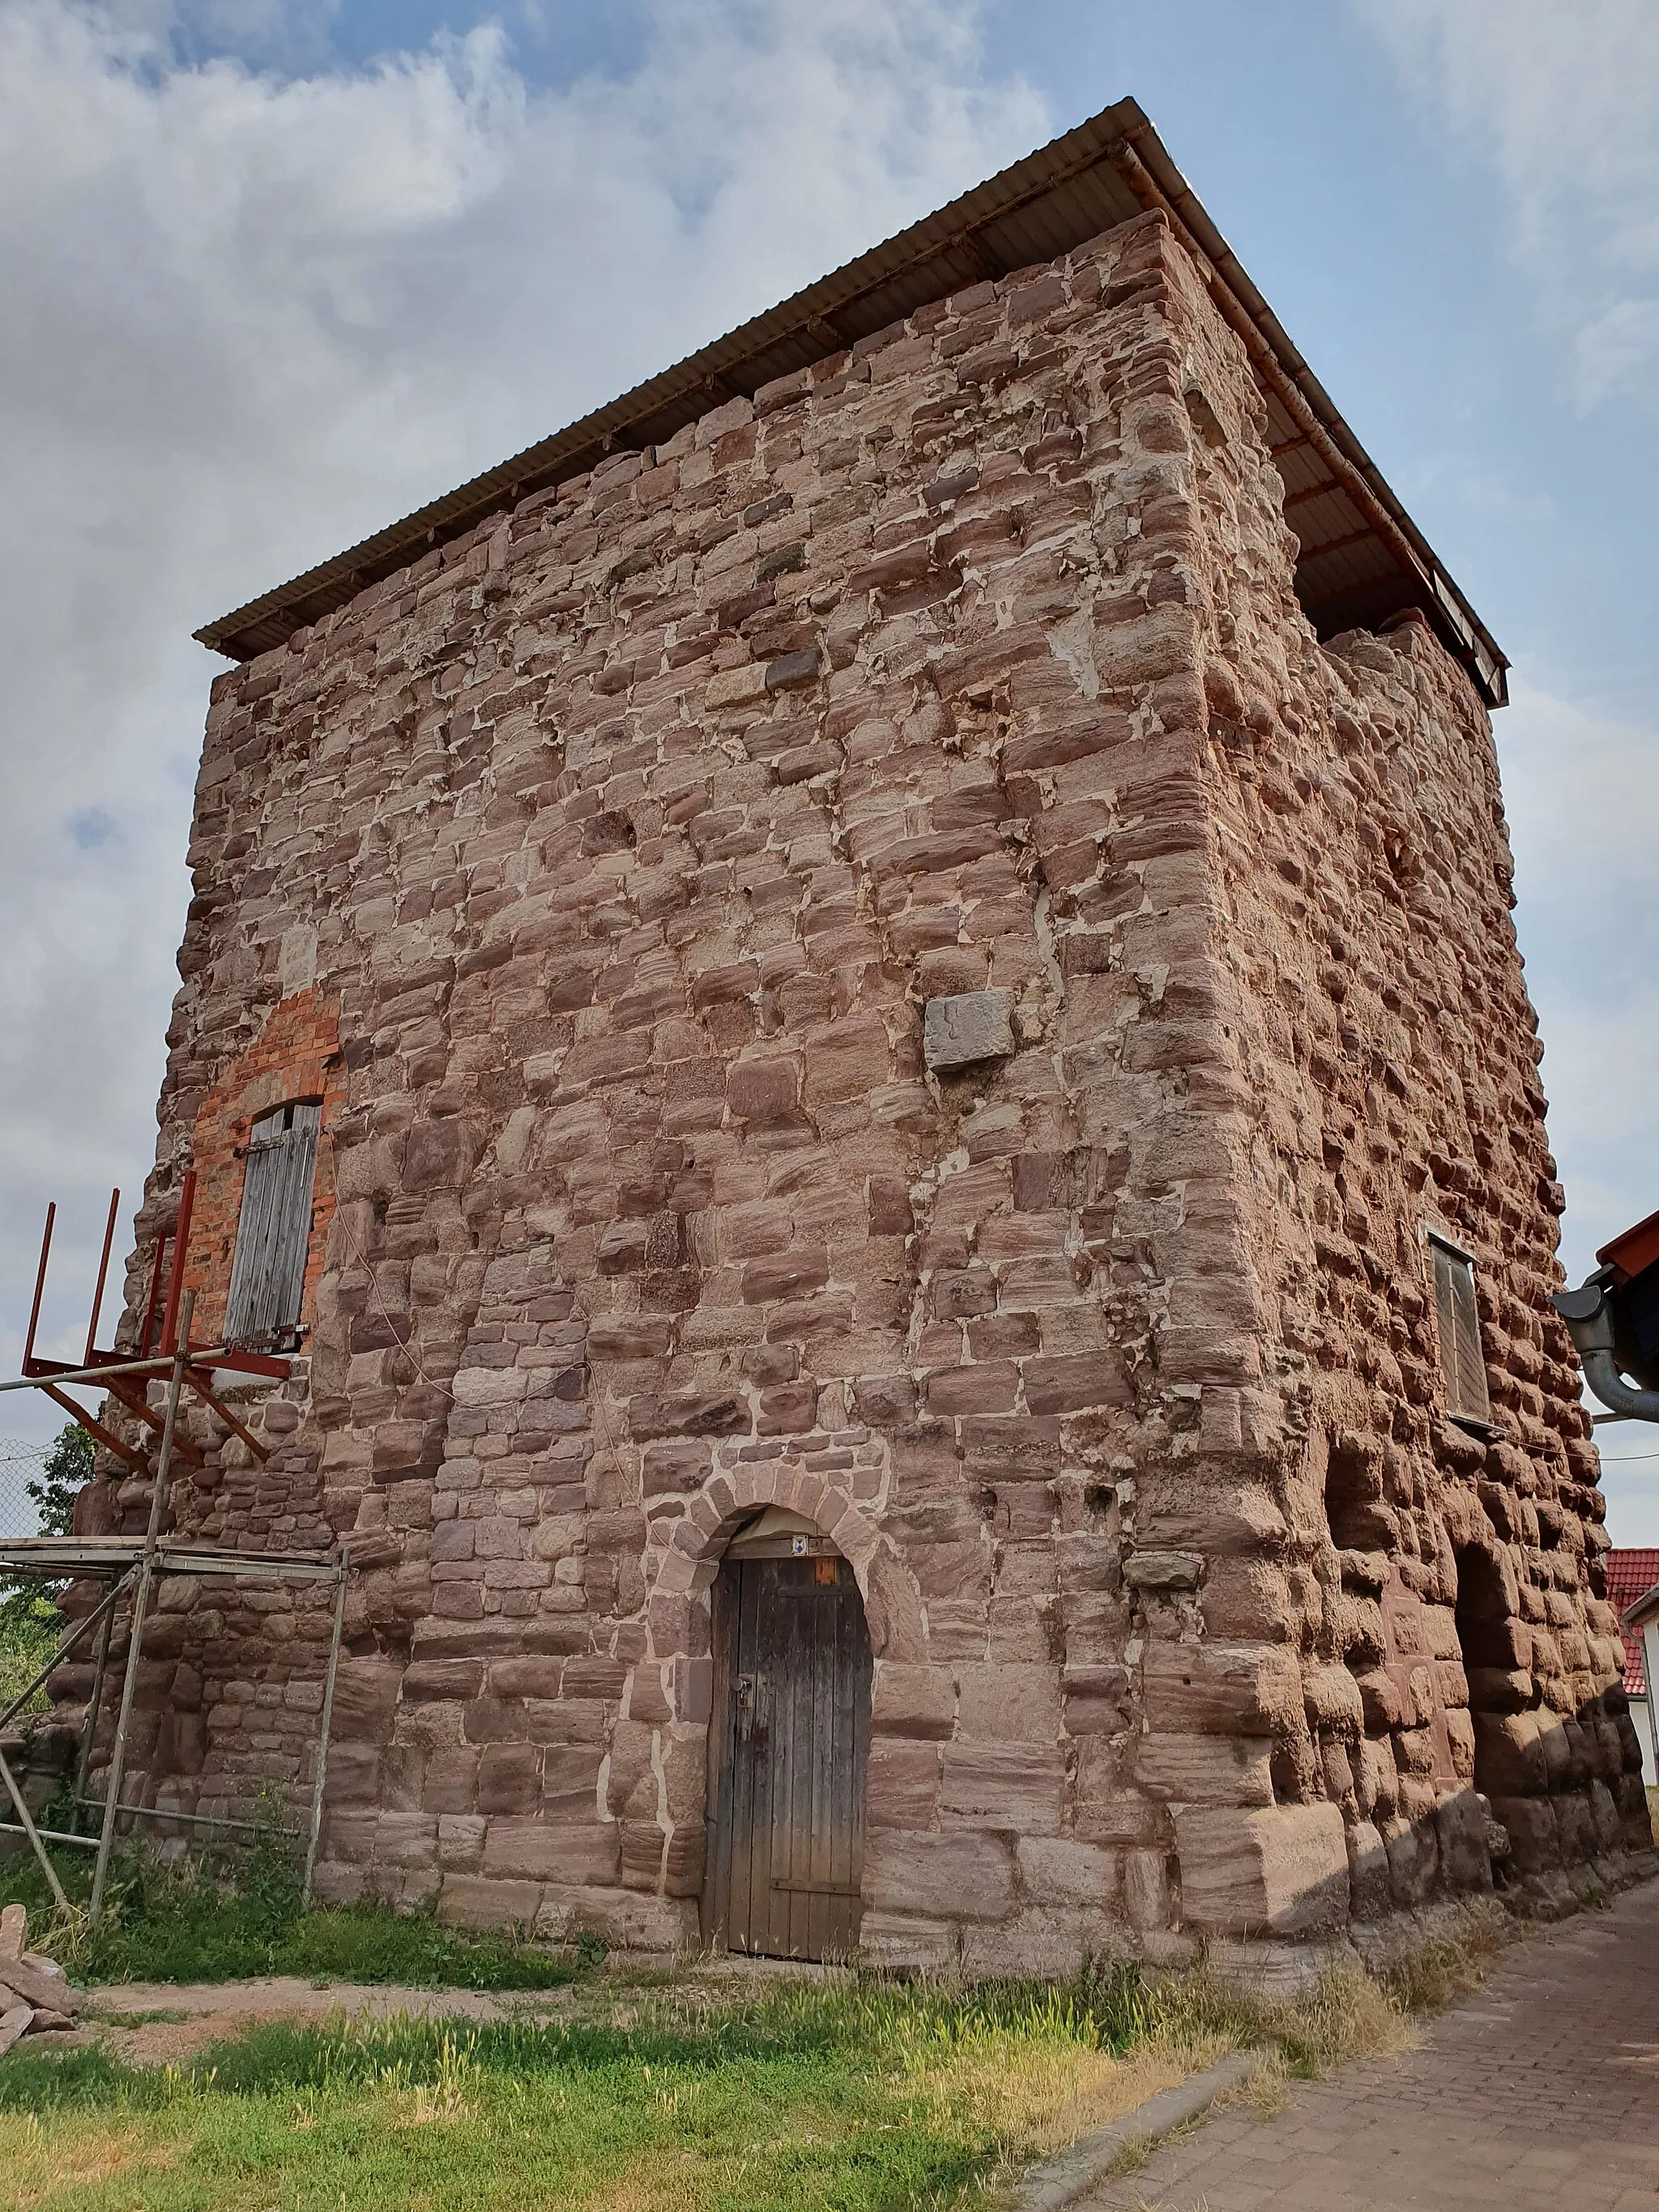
[
  {"x": 89, "y": 1727},
  {"x": 148, "y": 1328},
  {"x": 66, "y": 1644},
  {"x": 140, "y": 1608},
  {"x": 119, "y": 1749},
  {"x": 40, "y": 1283},
  {"x": 156, "y": 1366},
  {"x": 195, "y": 1820},
  {"x": 32, "y": 1833},
  {"x": 1602, "y": 1373},
  {"x": 1589, "y": 1317},
  {"x": 95, "y": 1428},
  {"x": 261, "y": 1452},
  {"x": 49, "y": 1835},
  {"x": 103, "y": 1273},
  {"x": 172, "y": 1337},
  {"x": 324, "y": 1729}
]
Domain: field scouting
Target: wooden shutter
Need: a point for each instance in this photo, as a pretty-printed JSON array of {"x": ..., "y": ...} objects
[
  {"x": 268, "y": 1273},
  {"x": 1461, "y": 1360}
]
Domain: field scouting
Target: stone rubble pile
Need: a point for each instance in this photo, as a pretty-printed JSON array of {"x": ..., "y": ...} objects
[{"x": 35, "y": 1992}]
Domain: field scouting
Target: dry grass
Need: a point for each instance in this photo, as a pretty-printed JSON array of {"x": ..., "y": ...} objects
[
  {"x": 1349, "y": 2014},
  {"x": 1044, "y": 2099},
  {"x": 45, "y": 2163},
  {"x": 1436, "y": 1973}
]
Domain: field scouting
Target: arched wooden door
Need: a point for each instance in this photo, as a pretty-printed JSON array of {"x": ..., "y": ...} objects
[{"x": 789, "y": 1744}]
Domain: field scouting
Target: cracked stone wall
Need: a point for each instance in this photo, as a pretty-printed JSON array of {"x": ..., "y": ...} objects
[{"x": 627, "y": 840}]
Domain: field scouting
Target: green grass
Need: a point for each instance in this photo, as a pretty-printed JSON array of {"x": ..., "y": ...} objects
[
  {"x": 226, "y": 1920},
  {"x": 847, "y": 2096}
]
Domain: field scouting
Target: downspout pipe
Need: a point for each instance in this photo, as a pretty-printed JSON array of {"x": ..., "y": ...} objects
[{"x": 1589, "y": 1317}]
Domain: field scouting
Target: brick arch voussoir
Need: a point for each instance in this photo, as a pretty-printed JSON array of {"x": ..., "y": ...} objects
[{"x": 892, "y": 1602}]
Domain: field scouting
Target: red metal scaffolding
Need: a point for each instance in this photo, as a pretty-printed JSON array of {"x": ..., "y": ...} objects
[{"x": 132, "y": 1566}]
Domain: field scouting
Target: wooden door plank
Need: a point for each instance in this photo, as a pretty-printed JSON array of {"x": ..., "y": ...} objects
[
  {"x": 743, "y": 1767},
  {"x": 814, "y": 1620},
  {"x": 788, "y": 1916},
  {"x": 844, "y": 1783},
  {"x": 754, "y": 1763},
  {"x": 860, "y": 1670},
  {"x": 717, "y": 1808},
  {"x": 826, "y": 1908},
  {"x": 774, "y": 1847}
]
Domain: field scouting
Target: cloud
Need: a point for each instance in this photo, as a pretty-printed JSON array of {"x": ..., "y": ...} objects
[
  {"x": 1582, "y": 791},
  {"x": 253, "y": 314},
  {"x": 1563, "y": 103}
]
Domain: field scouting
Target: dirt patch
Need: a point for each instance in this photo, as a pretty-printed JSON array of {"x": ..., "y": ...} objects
[
  {"x": 167, "y": 2023},
  {"x": 164, "y": 2024}
]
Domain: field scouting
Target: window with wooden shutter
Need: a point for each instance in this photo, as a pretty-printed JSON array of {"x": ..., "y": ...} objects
[
  {"x": 1461, "y": 1360},
  {"x": 268, "y": 1273}
]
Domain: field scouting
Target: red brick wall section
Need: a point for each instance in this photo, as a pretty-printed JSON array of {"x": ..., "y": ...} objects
[{"x": 297, "y": 1056}]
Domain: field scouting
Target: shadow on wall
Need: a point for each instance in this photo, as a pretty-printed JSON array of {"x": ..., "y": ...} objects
[
  {"x": 1565, "y": 1785},
  {"x": 1460, "y": 1746}
]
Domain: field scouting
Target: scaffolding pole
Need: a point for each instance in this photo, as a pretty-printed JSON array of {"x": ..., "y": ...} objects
[
  {"x": 26, "y": 1824},
  {"x": 137, "y": 1569},
  {"x": 323, "y": 1733},
  {"x": 90, "y": 1726},
  {"x": 140, "y": 1609}
]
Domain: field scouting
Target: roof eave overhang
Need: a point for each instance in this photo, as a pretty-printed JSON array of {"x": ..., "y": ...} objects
[{"x": 1107, "y": 170}]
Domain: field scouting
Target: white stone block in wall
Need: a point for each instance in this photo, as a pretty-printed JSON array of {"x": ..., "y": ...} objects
[{"x": 970, "y": 1027}]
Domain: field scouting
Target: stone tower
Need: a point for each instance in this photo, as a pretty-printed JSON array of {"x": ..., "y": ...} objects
[{"x": 903, "y": 944}]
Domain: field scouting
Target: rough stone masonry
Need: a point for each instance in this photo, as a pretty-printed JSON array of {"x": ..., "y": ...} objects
[{"x": 867, "y": 958}]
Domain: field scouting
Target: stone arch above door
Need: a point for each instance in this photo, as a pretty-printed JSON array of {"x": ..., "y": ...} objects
[{"x": 685, "y": 1569}]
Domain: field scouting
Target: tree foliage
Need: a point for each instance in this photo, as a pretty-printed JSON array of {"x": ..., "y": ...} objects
[
  {"x": 29, "y": 1621},
  {"x": 65, "y": 1471}
]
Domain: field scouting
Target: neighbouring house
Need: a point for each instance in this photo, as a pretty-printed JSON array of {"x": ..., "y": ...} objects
[
  {"x": 1633, "y": 1589},
  {"x": 862, "y": 1016}
]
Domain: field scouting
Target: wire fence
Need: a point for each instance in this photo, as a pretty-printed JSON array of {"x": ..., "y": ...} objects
[
  {"x": 29, "y": 1625},
  {"x": 21, "y": 1464}
]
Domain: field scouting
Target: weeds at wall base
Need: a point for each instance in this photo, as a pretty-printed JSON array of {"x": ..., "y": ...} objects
[{"x": 235, "y": 1914}]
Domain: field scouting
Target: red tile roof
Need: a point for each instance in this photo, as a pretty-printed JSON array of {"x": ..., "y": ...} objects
[{"x": 1631, "y": 1575}]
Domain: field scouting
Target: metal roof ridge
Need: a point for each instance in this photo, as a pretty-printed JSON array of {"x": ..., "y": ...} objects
[
  {"x": 822, "y": 296},
  {"x": 1121, "y": 135}
]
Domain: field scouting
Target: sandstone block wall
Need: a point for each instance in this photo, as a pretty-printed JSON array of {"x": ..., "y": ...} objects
[{"x": 627, "y": 842}]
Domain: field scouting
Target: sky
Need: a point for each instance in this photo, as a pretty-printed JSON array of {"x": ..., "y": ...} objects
[{"x": 277, "y": 272}]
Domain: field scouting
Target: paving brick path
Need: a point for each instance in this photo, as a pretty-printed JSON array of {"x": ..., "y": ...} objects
[{"x": 1541, "y": 2091}]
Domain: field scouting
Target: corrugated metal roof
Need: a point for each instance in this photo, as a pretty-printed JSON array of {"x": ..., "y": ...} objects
[{"x": 1363, "y": 558}]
